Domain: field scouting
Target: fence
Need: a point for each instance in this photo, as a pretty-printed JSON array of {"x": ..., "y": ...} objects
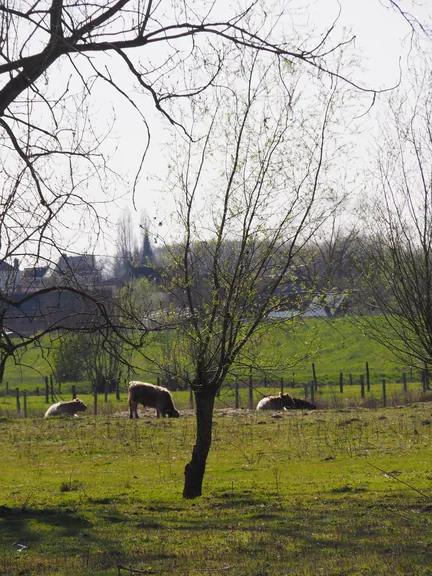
[{"x": 246, "y": 392}]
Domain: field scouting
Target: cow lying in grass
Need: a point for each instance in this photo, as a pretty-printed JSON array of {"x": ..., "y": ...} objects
[
  {"x": 284, "y": 402},
  {"x": 152, "y": 397},
  {"x": 70, "y": 408}
]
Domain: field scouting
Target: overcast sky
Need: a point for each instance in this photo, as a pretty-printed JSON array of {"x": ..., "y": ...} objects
[
  {"x": 382, "y": 42},
  {"x": 382, "y": 39}
]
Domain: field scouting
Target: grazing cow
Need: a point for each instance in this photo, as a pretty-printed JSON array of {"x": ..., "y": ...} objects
[
  {"x": 70, "y": 408},
  {"x": 152, "y": 397},
  {"x": 284, "y": 402}
]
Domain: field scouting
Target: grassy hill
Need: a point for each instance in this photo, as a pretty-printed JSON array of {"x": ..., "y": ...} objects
[{"x": 333, "y": 346}]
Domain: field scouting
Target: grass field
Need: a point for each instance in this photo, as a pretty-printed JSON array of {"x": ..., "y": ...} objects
[
  {"x": 328, "y": 492},
  {"x": 344, "y": 490},
  {"x": 334, "y": 346}
]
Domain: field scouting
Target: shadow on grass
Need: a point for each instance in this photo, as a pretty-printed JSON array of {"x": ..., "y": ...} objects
[
  {"x": 285, "y": 536},
  {"x": 22, "y": 524}
]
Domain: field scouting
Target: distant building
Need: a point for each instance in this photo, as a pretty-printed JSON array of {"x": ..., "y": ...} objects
[
  {"x": 9, "y": 276},
  {"x": 81, "y": 270},
  {"x": 33, "y": 279}
]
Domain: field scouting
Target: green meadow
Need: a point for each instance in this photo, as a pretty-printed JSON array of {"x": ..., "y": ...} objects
[
  {"x": 333, "y": 346},
  {"x": 343, "y": 490},
  {"x": 328, "y": 492}
]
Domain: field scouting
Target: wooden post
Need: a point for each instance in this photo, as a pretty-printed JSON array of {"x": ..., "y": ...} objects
[
  {"x": 25, "y": 403},
  {"x": 117, "y": 389},
  {"x": 7, "y": 389},
  {"x": 306, "y": 391},
  {"x": 426, "y": 377},
  {"x": 46, "y": 390},
  {"x": 350, "y": 377},
  {"x": 341, "y": 382},
  {"x": 73, "y": 391},
  {"x": 95, "y": 401},
  {"x": 293, "y": 380},
  {"x": 384, "y": 393},
  {"x": 404, "y": 378},
  {"x": 52, "y": 388},
  {"x": 314, "y": 377},
  {"x": 158, "y": 381},
  {"x": 37, "y": 391},
  {"x": 250, "y": 390},
  {"x": 106, "y": 390},
  {"x": 282, "y": 385},
  {"x": 367, "y": 377},
  {"x": 237, "y": 404},
  {"x": 424, "y": 385},
  {"x": 18, "y": 405},
  {"x": 312, "y": 391},
  {"x": 362, "y": 387}
]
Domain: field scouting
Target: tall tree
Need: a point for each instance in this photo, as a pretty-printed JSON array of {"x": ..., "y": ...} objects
[
  {"x": 250, "y": 194},
  {"x": 397, "y": 243}
]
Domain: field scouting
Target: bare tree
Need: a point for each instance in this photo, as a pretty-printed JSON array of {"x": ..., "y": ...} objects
[
  {"x": 397, "y": 248},
  {"x": 250, "y": 194},
  {"x": 58, "y": 63}
]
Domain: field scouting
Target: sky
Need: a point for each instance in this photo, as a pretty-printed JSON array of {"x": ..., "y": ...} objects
[{"x": 382, "y": 41}]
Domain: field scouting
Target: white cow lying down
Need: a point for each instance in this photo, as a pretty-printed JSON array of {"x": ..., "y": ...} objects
[
  {"x": 152, "y": 397},
  {"x": 70, "y": 408}
]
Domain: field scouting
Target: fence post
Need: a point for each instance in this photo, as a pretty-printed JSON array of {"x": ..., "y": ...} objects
[
  {"x": 404, "y": 378},
  {"x": 362, "y": 387},
  {"x": 95, "y": 401},
  {"x": 117, "y": 389},
  {"x": 73, "y": 391},
  {"x": 237, "y": 394},
  {"x": 384, "y": 393},
  {"x": 52, "y": 388},
  {"x": 46, "y": 390},
  {"x": 306, "y": 391},
  {"x": 250, "y": 390},
  {"x": 7, "y": 389},
  {"x": 293, "y": 380},
  {"x": 18, "y": 405},
  {"x": 367, "y": 377},
  {"x": 282, "y": 385},
  {"x": 314, "y": 376},
  {"x": 25, "y": 403},
  {"x": 312, "y": 391},
  {"x": 341, "y": 382},
  {"x": 37, "y": 391},
  {"x": 106, "y": 391},
  {"x": 351, "y": 380}
]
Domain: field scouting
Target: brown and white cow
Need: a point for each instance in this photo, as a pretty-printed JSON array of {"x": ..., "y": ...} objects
[
  {"x": 284, "y": 402},
  {"x": 70, "y": 408},
  {"x": 152, "y": 397}
]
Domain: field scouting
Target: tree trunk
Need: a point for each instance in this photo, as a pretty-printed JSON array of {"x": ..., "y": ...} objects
[{"x": 195, "y": 469}]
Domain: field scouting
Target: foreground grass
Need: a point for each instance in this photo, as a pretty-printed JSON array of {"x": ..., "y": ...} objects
[{"x": 337, "y": 492}]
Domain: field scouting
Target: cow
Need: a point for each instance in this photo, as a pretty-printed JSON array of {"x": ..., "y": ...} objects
[
  {"x": 284, "y": 402},
  {"x": 152, "y": 397},
  {"x": 70, "y": 408}
]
